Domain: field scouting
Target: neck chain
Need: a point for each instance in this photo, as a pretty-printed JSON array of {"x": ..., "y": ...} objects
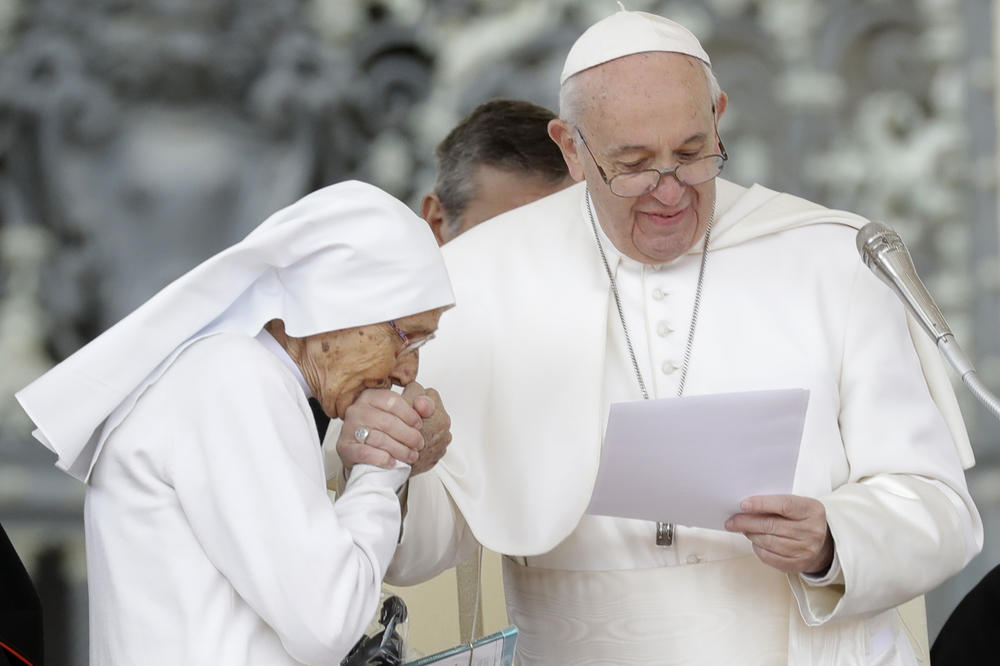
[{"x": 664, "y": 531}]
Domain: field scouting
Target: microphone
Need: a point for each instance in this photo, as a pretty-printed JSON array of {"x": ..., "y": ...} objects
[{"x": 884, "y": 253}]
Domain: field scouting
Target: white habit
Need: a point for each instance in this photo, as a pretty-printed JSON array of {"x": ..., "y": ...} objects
[
  {"x": 210, "y": 536},
  {"x": 532, "y": 356}
]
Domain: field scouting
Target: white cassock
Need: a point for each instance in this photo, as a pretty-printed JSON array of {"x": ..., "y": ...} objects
[
  {"x": 533, "y": 354},
  {"x": 210, "y": 536}
]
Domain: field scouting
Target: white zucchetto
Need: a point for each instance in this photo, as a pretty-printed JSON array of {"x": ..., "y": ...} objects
[
  {"x": 346, "y": 255},
  {"x": 627, "y": 33}
]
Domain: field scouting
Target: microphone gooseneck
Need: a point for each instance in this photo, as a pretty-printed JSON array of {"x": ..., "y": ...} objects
[{"x": 883, "y": 252}]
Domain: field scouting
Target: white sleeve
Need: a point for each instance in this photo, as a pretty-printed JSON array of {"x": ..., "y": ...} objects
[
  {"x": 435, "y": 536},
  {"x": 332, "y": 463},
  {"x": 248, "y": 473},
  {"x": 904, "y": 521}
]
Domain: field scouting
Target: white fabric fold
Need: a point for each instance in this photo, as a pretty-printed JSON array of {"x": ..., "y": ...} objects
[{"x": 785, "y": 211}]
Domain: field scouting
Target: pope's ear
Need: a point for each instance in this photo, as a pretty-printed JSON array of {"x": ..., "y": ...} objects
[
  {"x": 563, "y": 134},
  {"x": 720, "y": 107},
  {"x": 433, "y": 212}
]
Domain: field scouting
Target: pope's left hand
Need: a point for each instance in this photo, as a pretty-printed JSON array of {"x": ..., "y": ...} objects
[{"x": 788, "y": 532}]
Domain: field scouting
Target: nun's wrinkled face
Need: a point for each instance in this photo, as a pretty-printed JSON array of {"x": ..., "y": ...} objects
[{"x": 339, "y": 365}]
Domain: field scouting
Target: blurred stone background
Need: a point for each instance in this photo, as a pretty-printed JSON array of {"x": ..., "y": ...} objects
[{"x": 138, "y": 137}]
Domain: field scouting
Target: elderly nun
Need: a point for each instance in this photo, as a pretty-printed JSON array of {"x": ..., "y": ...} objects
[{"x": 210, "y": 535}]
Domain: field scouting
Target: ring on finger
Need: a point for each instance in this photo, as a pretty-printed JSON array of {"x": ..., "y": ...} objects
[{"x": 361, "y": 434}]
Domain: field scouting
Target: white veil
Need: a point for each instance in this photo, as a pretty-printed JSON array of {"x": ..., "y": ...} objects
[{"x": 344, "y": 256}]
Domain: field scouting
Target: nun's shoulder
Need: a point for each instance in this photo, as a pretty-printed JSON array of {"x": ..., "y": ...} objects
[{"x": 228, "y": 360}]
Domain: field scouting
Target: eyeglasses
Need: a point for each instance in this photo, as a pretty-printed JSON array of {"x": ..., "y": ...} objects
[
  {"x": 410, "y": 344},
  {"x": 638, "y": 183}
]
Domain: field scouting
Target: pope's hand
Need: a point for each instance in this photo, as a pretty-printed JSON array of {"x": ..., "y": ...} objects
[
  {"x": 788, "y": 532},
  {"x": 436, "y": 427},
  {"x": 393, "y": 425}
]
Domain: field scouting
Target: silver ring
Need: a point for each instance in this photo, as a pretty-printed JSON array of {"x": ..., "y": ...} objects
[{"x": 361, "y": 434}]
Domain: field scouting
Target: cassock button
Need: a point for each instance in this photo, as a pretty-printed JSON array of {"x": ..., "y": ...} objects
[
  {"x": 664, "y": 329},
  {"x": 669, "y": 367},
  {"x": 658, "y": 294},
  {"x": 693, "y": 559}
]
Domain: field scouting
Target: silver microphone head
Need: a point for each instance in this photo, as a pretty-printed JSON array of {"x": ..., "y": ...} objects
[
  {"x": 872, "y": 235},
  {"x": 883, "y": 252}
]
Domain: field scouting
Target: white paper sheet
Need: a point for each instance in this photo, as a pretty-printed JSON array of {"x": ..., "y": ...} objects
[{"x": 691, "y": 460}]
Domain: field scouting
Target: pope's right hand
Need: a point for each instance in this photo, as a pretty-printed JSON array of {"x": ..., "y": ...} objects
[
  {"x": 436, "y": 428},
  {"x": 393, "y": 429}
]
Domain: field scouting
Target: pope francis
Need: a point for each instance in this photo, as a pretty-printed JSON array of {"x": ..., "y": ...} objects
[{"x": 654, "y": 277}]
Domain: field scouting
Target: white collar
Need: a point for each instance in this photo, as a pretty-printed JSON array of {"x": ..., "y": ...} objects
[{"x": 270, "y": 344}]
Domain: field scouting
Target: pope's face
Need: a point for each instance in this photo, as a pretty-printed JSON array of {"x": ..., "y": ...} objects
[
  {"x": 646, "y": 111},
  {"x": 339, "y": 365}
]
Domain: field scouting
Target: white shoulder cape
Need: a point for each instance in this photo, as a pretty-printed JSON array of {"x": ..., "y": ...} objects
[{"x": 513, "y": 298}]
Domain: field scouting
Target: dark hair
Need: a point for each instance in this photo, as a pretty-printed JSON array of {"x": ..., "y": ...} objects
[{"x": 506, "y": 134}]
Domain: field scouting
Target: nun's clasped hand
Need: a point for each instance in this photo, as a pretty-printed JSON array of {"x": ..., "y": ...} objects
[
  {"x": 394, "y": 429},
  {"x": 788, "y": 532}
]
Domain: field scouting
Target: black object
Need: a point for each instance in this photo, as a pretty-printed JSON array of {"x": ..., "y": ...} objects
[
  {"x": 322, "y": 420},
  {"x": 386, "y": 647},
  {"x": 969, "y": 636},
  {"x": 20, "y": 610}
]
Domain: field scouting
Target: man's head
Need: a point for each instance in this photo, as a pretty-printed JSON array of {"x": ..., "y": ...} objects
[
  {"x": 638, "y": 93},
  {"x": 499, "y": 157}
]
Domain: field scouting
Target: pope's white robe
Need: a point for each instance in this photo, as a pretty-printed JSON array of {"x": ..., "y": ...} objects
[
  {"x": 522, "y": 366},
  {"x": 210, "y": 535}
]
